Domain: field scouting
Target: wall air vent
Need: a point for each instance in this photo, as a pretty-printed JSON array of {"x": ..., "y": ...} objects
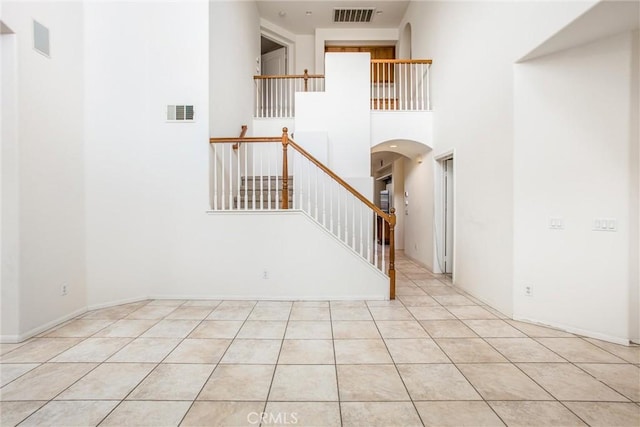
[
  {"x": 179, "y": 113},
  {"x": 353, "y": 14}
]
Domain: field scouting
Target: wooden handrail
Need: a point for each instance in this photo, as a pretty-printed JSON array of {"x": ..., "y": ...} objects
[
  {"x": 401, "y": 61},
  {"x": 243, "y": 132},
  {"x": 286, "y": 141},
  {"x": 292, "y": 76}
]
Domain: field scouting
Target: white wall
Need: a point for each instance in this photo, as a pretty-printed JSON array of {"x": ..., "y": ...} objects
[
  {"x": 572, "y": 160},
  {"x": 398, "y": 200},
  {"x": 472, "y": 99},
  {"x": 234, "y": 39},
  {"x": 145, "y": 177},
  {"x": 634, "y": 254},
  {"x": 305, "y": 54},
  {"x": 48, "y": 250},
  {"x": 418, "y": 214}
]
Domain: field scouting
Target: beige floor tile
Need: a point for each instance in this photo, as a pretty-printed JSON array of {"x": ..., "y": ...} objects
[
  {"x": 9, "y": 372},
  {"x": 310, "y": 313},
  {"x": 524, "y": 350},
  {"x": 220, "y": 329},
  {"x": 390, "y": 313},
  {"x": 215, "y": 414},
  {"x": 190, "y": 313},
  {"x": 39, "y": 350},
  {"x": 361, "y": 351},
  {"x": 202, "y": 303},
  {"x": 274, "y": 304},
  {"x": 438, "y": 289},
  {"x": 538, "y": 331},
  {"x": 12, "y": 413},
  {"x": 355, "y": 329},
  {"x": 436, "y": 382},
  {"x": 253, "y": 352},
  {"x": 173, "y": 382},
  {"x": 171, "y": 329},
  {"x": 365, "y": 383},
  {"x": 79, "y": 328},
  {"x": 453, "y": 299},
  {"x": 502, "y": 381},
  {"x": 113, "y": 313},
  {"x": 238, "y": 303},
  {"x": 422, "y": 300},
  {"x": 535, "y": 414},
  {"x": 305, "y": 330},
  {"x": 350, "y": 313},
  {"x": 71, "y": 413},
  {"x": 430, "y": 313},
  {"x": 384, "y": 303},
  {"x": 625, "y": 379},
  {"x": 126, "y": 328},
  {"x": 606, "y": 414},
  {"x": 415, "y": 351},
  {"x": 145, "y": 350},
  {"x": 7, "y": 347},
  {"x": 141, "y": 413},
  {"x": 325, "y": 414},
  {"x": 630, "y": 353},
  {"x": 310, "y": 383},
  {"x": 579, "y": 350},
  {"x": 447, "y": 329},
  {"x": 458, "y": 414},
  {"x": 45, "y": 381},
  {"x": 382, "y": 414},
  {"x": 409, "y": 291},
  {"x": 270, "y": 313},
  {"x": 566, "y": 382},
  {"x": 198, "y": 351},
  {"x": 469, "y": 350},
  {"x": 300, "y": 304},
  {"x": 223, "y": 312},
  {"x": 493, "y": 328},
  {"x": 167, "y": 302},
  {"x": 307, "y": 352},
  {"x": 471, "y": 312},
  {"x": 495, "y": 312},
  {"x": 347, "y": 304},
  {"x": 238, "y": 382},
  {"x": 109, "y": 381},
  {"x": 263, "y": 329},
  {"x": 92, "y": 350},
  {"x": 151, "y": 312},
  {"x": 401, "y": 329}
]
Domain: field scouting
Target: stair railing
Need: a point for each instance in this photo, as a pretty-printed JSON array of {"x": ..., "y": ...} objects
[
  {"x": 275, "y": 95},
  {"x": 263, "y": 174},
  {"x": 400, "y": 84}
]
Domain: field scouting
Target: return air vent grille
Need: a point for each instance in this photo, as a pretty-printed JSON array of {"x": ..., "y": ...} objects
[
  {"x": 180, "y": 113},
  {"x": 353, "y": 14}
]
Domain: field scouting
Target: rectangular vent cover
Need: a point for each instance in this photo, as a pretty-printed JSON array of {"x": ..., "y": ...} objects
[
  {"x": 180, "y": 113},
  {"x": 41, "y": 38},
  {"x": 353, "y": 14}
]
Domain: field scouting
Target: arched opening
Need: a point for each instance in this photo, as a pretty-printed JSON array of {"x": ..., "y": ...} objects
[{"x": 405, "y": 43}]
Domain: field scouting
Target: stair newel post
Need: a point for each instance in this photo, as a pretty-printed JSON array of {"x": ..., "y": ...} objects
[
  {"x": 306, "y": 80},
  {"x": 285, "y": 169},
  {"x": 392, "y": 254}
]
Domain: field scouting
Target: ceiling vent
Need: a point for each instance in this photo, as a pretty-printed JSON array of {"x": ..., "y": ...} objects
[{"x": 353, "y": 14}]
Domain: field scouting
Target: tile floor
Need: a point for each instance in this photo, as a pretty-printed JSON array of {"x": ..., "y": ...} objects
[{"x": 433, "y": 357}]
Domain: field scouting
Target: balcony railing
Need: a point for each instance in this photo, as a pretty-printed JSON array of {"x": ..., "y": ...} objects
[
  {"x": 400, "y": 85},
  {"x": 275, "y": 95},
  {"x": 396, "y": 85}
]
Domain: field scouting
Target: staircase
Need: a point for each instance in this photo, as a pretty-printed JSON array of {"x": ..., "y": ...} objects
[{"x": 261, "y": 192}]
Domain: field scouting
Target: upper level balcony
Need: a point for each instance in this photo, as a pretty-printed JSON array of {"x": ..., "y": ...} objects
[{"x": 395, "y": 85}]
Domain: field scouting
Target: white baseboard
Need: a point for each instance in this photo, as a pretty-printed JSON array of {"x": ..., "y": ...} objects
[
  {"x": 273, "y": 298},
  {"x": 576, "y": 331},
  {"x": 39, "y": 329},
  {"x": 115, "y": 303}
]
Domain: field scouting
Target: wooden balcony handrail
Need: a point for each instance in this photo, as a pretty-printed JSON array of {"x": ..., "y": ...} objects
[
  {"x": 286, "y": 141},
  {"x": 292, "y": 76},
  {"x": 401, "y": 61}
]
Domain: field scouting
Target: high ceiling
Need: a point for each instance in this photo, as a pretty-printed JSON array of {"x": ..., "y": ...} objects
[{"x": 293, "y": 15}]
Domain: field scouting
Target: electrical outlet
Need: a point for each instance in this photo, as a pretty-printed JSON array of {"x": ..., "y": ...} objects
[
  {"x": 265, "y": 274},
  {"x": 605, "y": 224},
  {"x": 64, "y": 289},
  {"x": 528, "y": 290}
]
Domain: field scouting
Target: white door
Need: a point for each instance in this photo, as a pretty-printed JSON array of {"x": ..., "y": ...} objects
[
  {"x": 275, "y": 93},
  {"x": 448, "y": 216}
]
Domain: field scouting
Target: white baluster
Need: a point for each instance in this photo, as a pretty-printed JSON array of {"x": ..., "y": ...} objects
[
  {"x": 215, "y": 176},
  {"x": 368, "y": 225},
  {"x": 238, "y": 180},
  {"x": 331, "y": 205},
  {"x": 230, "y": 149},
  {"x": 361, "y": 233},
  {"x": 353, "y": 224},
  {"x": 278, "y": 170},
  {"x": 261, "y": 178},
  {"x": 316, "y": 195},
  {"x": 375, "y": 240},
  {"x": 253, "y": 175},
  {"x": 338, "y": 201},
  {"x": 324, "y": 200},
  {"x": 308, "y": 187},
  {"x": 383, "y": 247}
]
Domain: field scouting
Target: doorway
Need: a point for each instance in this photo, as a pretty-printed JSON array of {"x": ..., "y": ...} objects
[
  {"x": 448, "y": 214},
  {"x": 273, "y": 60}
]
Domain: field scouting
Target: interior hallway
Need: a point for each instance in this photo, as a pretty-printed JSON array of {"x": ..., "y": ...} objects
[{"x": 434, "y": 356}]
